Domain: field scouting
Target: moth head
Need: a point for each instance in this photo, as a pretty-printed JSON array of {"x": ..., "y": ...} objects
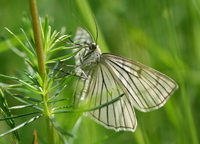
[{"x": 92, "y": 46}]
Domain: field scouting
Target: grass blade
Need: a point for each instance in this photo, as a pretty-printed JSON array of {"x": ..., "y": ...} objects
[
  {"x": 21, "y": 125},
  {"x": 17, "y": 116}
]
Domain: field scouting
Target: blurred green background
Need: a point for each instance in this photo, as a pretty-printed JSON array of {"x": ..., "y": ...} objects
[{"x": 161, "y": 34}]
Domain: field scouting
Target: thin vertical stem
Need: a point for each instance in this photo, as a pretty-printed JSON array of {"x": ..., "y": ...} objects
[
  {"x": 42, "y": 69},
  {"x": 38, "y": 38}
]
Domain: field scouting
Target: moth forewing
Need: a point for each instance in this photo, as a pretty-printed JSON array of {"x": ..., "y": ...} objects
[{"x": 148, "y": 88}]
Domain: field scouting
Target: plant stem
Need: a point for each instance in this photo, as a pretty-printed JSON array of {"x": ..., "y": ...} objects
[
  {"x": 42, "y": 69},
  {"x": 38, "y": 38}
]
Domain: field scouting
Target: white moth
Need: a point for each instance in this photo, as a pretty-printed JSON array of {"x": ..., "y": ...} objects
[{"x": 107, "y": 76}]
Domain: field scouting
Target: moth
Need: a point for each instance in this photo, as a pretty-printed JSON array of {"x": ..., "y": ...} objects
[{"x": 106, "y": 76}]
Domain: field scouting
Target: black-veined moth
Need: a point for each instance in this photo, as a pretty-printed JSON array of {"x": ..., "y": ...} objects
[{"x": 106, "y": 76}]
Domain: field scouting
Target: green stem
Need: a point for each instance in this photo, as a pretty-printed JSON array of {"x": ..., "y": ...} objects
[
  {"x": 42, "y": 69},
  {"x": 38, "y": 38}
]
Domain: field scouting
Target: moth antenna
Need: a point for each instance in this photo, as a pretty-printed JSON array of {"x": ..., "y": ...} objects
[
  {"x": 83, "y": 26},
  {"x": 96, "y": 27}
]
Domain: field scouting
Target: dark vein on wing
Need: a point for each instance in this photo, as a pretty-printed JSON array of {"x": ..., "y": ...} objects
[{"x": 113, "y": 62}]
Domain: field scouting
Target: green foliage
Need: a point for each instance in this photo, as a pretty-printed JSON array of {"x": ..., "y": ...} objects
[
  {"x": 161, "y": 34},
  {"x": 32, "y": 83}
]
